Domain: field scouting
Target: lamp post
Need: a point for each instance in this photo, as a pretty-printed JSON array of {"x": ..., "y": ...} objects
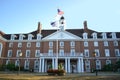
[
  {"x": 96, "y": 72},
  {"x": 20, "y": 54}
]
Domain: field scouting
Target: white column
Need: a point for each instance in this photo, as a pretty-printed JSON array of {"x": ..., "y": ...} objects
[
  {"x": 53, "y": 65},
  {"x": 56, "y": 63},
  {"x": 79, "y": 66},
  {"x": 43, "y": 65},
  {"x": 40, "y": 65},
  {"x": 66, "y": 64},
  {"x": 82, "y": 65},
  {"x": 69, "y": 65}
]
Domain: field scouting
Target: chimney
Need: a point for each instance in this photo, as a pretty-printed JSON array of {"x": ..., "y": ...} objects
[
  {"x": 39, "y": 28},
  {"x": 85, "y": 26}
]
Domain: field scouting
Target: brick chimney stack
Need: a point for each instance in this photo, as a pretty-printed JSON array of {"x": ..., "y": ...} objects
[
  {"x": 85, "y": 26},
  {"x": 39, "y": 28}
]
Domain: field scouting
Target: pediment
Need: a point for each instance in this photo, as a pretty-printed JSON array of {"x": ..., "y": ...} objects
[{"x": 61, "y": 35}]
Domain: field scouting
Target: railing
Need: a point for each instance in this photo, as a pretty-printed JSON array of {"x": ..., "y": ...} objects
[{"x": 61, "y": 55}]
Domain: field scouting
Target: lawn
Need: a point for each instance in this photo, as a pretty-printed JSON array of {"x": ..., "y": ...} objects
[{"x": 46, "y": 77}]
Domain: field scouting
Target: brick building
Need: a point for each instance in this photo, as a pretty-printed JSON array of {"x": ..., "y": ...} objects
[{"x": 78, "y": 50}]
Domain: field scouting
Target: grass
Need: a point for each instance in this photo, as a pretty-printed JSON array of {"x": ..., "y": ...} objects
[{"x": 66, "y": 77}]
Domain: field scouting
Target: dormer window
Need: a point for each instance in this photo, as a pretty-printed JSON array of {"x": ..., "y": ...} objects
[
  {"x": 104, "y": 36},
  {"x": 21, "y": 37},
  {"x": 85, "y": 35},
  {"x": 39, "y": 36},
  {"x": 113, "y": 35},
  {"x": 30, "y": 36},
  {"x": 13, "y": 37},
  {"x": 94, "y": 35}
]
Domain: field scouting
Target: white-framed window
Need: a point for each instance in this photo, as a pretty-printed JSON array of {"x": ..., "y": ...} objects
[
  {"x": 61, "y": 52},
  {"x": 94, "y": 35},
  {"x": 11, "y": 44},
  {"x": 17, "y": 63},
  {"x": 107, "y": 52},
  {"x": 30, "y": 36},
  {"x": 37, "y": 53},
  {"x": 108, "y": 62},
  {"x": 87, "y": 65},
  {"x": 85, "y": 44},
  {"x": 61, "y": 43},
  {"x": 7, "y": 62},
  {"x": 104, "y": 36},
  {"x": 95, "y": 43},
  {"x": 105, "y": 43},
  {"x": 72, "y": 52},
  {"x": 37, "y": 44},
  {"x": 113, "y": 35},
  {"x": 39, "y": 36},
  {"x": 72, "y": 44},
  {"x": 97, "y": 52},
  {"x": 1, "y": 49},
  {"x": 85, "y": 35},
  {"x": 9, "y": 53},
  {"x": 117, "y": 52},
  {"x": 98, "y": 64},
  {"x": 21, "y": 36},
  {"x": 28, "y": 44},
  {"x": 27, "y": 53},
  {"x": 13, "y": 37},
  {"x": 19, "y": 44},
  {"x": 26, "y": 66},
  {"x": 50, "y": 52},
  {"x": 18, "y": 53},
  {"x": 36, "y": 64},
  {"x": 115, "y": 43},
  {"x": 86, "y": 53},
  {"x": 50, "y": 44}
]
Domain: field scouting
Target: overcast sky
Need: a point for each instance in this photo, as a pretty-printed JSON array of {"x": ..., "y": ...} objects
[{"x": 22, "y": 16}]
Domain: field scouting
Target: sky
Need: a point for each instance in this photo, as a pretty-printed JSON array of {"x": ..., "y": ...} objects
[{"x": 22, "y": 16}]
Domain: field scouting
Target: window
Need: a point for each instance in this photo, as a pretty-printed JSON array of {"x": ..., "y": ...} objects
[
  {"x": 9, "y": 53},
  {"x": 37, "y": 53},
  {"x": 26, "y": 66},
  {"x": 115, "y": 43},
  {"x": 18, "y": 53},
  {"x": 104, "y": 36},
  {"x": 85, "y": 44},
  {"x": 39, "y": 36},
  {"x": 30, "y": 36},
  {"x": 36, "y": 64},
  {"x": 113, "y": 35},
  {"x": 86, "y": 53},
  {"x": 0, "y": 49},
  {"x": 13, "y": 37},
  {"x": 28, "y": 44},
  {"x": 117, "y": 53},
  {"x": 10, "y": 44},
  {"x": 96, "y": 44},
  {"x": 94, "y": 35},
  {"x": 87, "y": 65},
  {"x": 50, "y": 44},
  {"x": 98, "y": 64},
  {"x": 61, "y": 43},
  {"x": 50, "y": 52},
  {"x": 105, "y": 43},
  {"x": 37, "y": 44},
  {"x": 27, "y": 53},
  {"x": 72, "y": 44},
  {"x": 107, "y": 53},
  {"x": 85, "y": 36},
  {"x": 97, "y": 52},
  {"x": 108, "y": 62},
  {"x": 7, "y": 62},
  {"x": 17, "y": 63},
  {"x": 72, "y": 52},
  {"x": 61, "y": 52},
  {"x": 19, "y": 45},
  {"x": 21, "y": 36}
]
